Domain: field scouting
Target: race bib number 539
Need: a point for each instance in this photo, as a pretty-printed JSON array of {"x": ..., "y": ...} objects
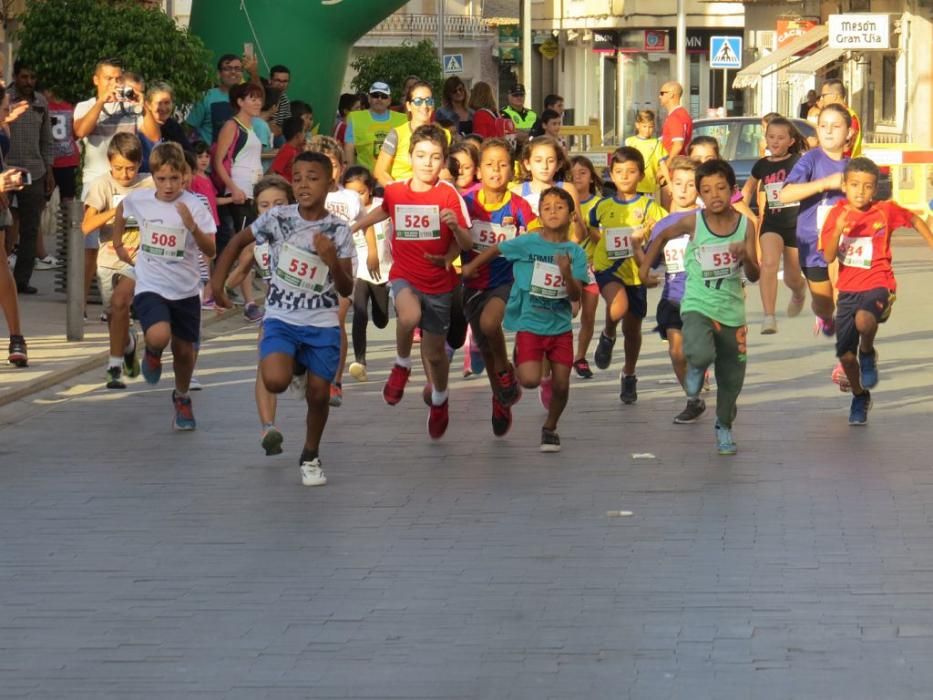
[
  {"x": 716, "y": 261},
  {"x": 417, "y": 223}
]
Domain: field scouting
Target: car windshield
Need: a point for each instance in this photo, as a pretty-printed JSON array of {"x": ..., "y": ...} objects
[{"x": 738, "y": 140}]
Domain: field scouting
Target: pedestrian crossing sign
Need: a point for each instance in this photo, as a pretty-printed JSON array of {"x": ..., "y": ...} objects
[
  {"x": 453, "y": 63},
  {"x": 725, "y": 52}
]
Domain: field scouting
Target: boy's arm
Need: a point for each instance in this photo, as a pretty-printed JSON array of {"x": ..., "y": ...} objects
[
  {"x": 205, "y": 241},
  {"x": 370, "y": 218},
  {"x": 484, "y": 258},
  {"x": 923, "y": 229},
  {"x": 748, "y": 189},
  {"x": 119, "y": 226},
  {"x": 573, "y": 286},
  {"x": 341, "y": 269},
  {"x": 94, "y": 219},
  {"x": 223, "y": 264},
  {"x": 750, "y": 261},
  {"x": 831, "y": 243},
  {"x": 462, "y": 235},
  {"x": 372, "y": 253}
]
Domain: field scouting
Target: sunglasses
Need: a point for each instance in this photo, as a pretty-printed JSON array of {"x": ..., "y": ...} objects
[
  {"x": 379, "y": 95},
  {"x": 663, "y": 93},
  {"x": 422, "y": 101}
]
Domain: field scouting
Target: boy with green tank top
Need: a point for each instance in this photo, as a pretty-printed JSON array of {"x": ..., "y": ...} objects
[{"x": 722, "y": 243}]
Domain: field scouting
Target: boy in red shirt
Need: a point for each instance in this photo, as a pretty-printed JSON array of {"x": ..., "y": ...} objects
[
  {"x": 430, "y": 226},
  {"x": 293, "y": 131},
  {"x": 858, "y": 232}
]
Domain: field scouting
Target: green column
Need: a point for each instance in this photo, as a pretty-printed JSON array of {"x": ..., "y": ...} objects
[{"x": 311, "y": 37}]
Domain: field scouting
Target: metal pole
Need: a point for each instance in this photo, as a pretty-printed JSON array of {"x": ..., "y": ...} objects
[
  {"x": 682, "y": 46},
  {"x": 526, "y": 52},
  {"x": 71, "y": 215},
  {"x": 725, "y": 86},
  {"x": 441, "y": 22},
  {"x": 620, "y": 100}
]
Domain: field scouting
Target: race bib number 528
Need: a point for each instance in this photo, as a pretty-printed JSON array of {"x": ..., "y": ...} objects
[{"x": 547, "y": 281}]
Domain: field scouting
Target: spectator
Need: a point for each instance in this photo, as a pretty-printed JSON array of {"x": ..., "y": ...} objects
[
  {"x": 64, "y": 148},
  {"x": 294, "y": 133},
  {"x": 523, "y": 117},
  {"x": 455, "y": 106},
  {"x": 30, "y": 150},
  {"x": 9, "y": 180},
  {"x": 348, "y": 103},
  {"x": 808, "y": 104},
  {"x": 552, "y": 102},
  {"x": 157, "y": 125},
  {"x": 279, "y": 77},
  {"x": 213, "y": 110},
  {"x": 368, "y": 128},
  {"x": 678, "y": 127},
  {"x": 834, "y": 92},
  {"x": 485, "y": 111}
]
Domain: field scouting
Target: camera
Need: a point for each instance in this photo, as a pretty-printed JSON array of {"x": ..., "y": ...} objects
[{"x": 126, "y": 93}]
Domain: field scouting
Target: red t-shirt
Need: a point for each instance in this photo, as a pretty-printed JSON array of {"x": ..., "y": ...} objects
[
  {"x": 677, "y": 127},
  {"x": 282, "y": 165},
  {"x": 484, "y": 123},
  {"x": 340, "y": 132},
  {"x": 417, "y": 229},
  {"x": 865, "y": 249},
  {"x": 64, "y": 147}
]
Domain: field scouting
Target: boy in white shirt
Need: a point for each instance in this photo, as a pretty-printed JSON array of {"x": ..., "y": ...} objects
[{"x": 173, "y": 226}]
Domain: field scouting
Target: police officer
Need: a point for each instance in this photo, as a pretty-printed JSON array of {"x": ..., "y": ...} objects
[{"x": 523, "y": 117}]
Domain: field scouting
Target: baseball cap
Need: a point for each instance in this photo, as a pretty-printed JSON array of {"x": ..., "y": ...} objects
[
  {"x": 518, "y": 90},
  {"x": 380, "y": 86}
]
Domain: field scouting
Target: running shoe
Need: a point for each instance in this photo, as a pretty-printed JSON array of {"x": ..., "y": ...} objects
[
  {"x": 858, "y": 411},
  {"x": 311, "y": 473},
  {"x": 438, "y": 419},
  {"x": 827, "y": 328},
  {"x": 416, "y": 338},
  {"x": 769, "y": 325},
  {"x": 151, "y": 366},
  {"x": 603, "y": 356},
  {"x": 707, "y": 381},
  {"x": 693, "y": 410},
  {"x": 130, "y": 358},
  {"x": 336, "y": 395},
  {"x": 426, "y": 392},
  {"x": 184, "y": 416},
  {"x": 545, "y": 392},
  {"x": 17, "y": 354},
  {"x": 253, "y": 313},
  {"x": 115, "y": 378},
  {"x": 272, "y": 441},
  {"x": 477, "y": 363},
  {"x": 868, "y": 368},
  {"x": 394, "y": 387},
  {"x": 501, "y": 417},
  {"x": 725, "y": 443},
  {"x": 48, "y": 263},
  {"x": 550, "y": 440},
  {"x": 298, "y": 387},
  {"x": 208, "y": 304},
  {"x": 629, "y": 393},
  {"x": 583, "y": 368},
  {"x": 509, "y": 390},
  {"x": 840, "y": 378},
  {"x": 693, "y": 382},
  {"x": 795, "y": 305},
  {"x": 358, "y": 371},
  {"x": 11, "y": 259},
  {"x": 194, "y": 384}
]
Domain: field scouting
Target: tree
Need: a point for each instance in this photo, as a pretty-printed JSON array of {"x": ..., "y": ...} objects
[
  {"x": 394, "y": 64},
  {"x": 64, "y": 39}
]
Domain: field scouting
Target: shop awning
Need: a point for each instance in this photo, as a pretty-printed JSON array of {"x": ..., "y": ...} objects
[
  {"x": 812, "y": 63},
  {"x": 750, "y": 75}
]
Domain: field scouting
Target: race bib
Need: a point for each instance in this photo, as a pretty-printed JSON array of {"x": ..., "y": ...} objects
[
  {"x": 772, "y": 192},
  {"x": 261, "y": 254},
  {"x": 674, "y": 253},
  {"x": 716, "y": 262},
  {"x": 163, "y": 242},
  {"x": 486, "y": 234},
  {"x": 618, "y": 242},
  {"x": 856, "y": 252},
  {"x": 822, "y": 211},
  {"x": 301, "y": 269},
  {"x": 547, "y": 281},
  {"x": 417, "y": 223}
]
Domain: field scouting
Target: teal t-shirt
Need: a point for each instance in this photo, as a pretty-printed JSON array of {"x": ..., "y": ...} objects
[
  {"x": 714, "y": 276},
  {"x": 538, "y": 301}
]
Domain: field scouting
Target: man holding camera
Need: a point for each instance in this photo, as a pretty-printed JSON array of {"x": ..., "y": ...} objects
[{"x": 31, "y": 151}]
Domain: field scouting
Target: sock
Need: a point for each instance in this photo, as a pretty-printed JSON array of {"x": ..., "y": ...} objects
[
  {"x": 308, "y": 455},
  {"x": 266, "y": 426},
  {"x": 438, "y": 397},
  {"x": 130, "y": 345},
  {"x": 403, "y": 361},
  {"x": 181, "y": 394},
  {"x": 114, "y": 362}
]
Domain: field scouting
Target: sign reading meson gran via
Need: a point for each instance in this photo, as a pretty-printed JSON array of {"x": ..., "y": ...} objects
[{"x": 859, "y": 31}]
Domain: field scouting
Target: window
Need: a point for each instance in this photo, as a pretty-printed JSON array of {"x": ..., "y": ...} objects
[{"x": 889, "y": 88}]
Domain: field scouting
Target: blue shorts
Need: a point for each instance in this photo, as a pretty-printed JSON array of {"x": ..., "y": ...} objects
[
  {"x": 316, "y": 348},
  {"x": 182, "y": 315}
]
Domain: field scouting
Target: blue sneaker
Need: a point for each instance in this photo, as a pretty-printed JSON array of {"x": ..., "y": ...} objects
[
  {"x": 184, "y": 416},
  {"x": 151, "y": 367},
  {"x": 725, "y": 443},
  {"x": 868, "y": 368},
  {"x": 858, "y": 412},
  {"x": 694, "y": 381}
]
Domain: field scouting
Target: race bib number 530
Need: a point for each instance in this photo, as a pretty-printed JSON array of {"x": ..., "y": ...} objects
[
  {"x": 163, "y": 242},
  {"x": 417, "y": 223},
  {"x": 486, "y": 234},
  {"x": 301, "y": 269}
]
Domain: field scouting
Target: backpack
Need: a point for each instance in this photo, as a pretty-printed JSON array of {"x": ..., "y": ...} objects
[
  {"x": 235, "y": 147},
  {"x": 505, "y": 127}
]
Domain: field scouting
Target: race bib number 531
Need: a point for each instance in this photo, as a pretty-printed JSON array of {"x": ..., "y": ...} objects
[
  {"x": 547, "y": 281},
  {"x": 301, "y": 269},
  {"x": 163, "y": 242},
  {"x": 417, "y": 223}
]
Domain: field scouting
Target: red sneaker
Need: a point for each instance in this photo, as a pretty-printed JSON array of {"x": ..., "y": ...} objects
[
  {"x": 545, "y": 391},
  {"x": 438, "y": 420},
  {"x": 501, "y": 417},
  {"x": 840, "y": 378},
  {"x": 394, "y": 387},
  {"x": 509, "y": 390}
]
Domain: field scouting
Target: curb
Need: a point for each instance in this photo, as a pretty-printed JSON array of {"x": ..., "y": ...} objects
[{"x": 47, "y": 381}]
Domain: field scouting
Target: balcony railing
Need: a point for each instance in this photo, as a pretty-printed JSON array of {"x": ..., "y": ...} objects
[{"x": 403, "y": 24}]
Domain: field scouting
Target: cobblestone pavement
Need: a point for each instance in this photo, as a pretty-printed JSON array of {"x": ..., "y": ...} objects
[{"x": 138, "y": 563}]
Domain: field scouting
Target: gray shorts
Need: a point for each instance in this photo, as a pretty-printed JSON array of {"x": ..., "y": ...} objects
[{"x": 435, "y": 308}]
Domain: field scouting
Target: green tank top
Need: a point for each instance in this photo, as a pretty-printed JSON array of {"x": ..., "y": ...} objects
[{"x": 714, "y": 275}]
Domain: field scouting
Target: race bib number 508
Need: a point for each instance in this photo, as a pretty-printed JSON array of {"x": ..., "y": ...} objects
[{"x": 164, "y": 242}]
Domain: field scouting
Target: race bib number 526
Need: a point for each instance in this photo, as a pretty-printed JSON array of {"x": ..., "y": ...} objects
[{"x": 417, "y": 223}]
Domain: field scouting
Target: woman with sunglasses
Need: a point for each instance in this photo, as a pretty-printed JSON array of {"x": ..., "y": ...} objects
[
  {"x": 394, "y": 163},
  {"x": 454, "y": 107}
]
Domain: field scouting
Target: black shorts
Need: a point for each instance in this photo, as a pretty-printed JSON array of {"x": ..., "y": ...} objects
[
  {"x": 816, "y": 274},
  {"x": 668, "y": 317},
  {"x": 474, "y": 301},
  {"x": 637, "y": 299},
  {"x": 183, "y": 315},
  {"x": 66, "y": 181},
  {"x": 788, "y": 235},
  {"x": 877, "y": 302}
]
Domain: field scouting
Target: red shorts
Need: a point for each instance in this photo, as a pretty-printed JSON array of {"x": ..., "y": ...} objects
[{"x": 530, "y": 347}]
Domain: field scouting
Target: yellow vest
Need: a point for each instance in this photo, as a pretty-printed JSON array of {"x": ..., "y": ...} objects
[
  {"x": 401, "y": 162},
  {"x": 524, "y": 123},
  {"x": 368, "y": 134}
]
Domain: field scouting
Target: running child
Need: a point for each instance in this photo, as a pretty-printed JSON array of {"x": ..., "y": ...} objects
[
  {"x": 722, "y": 244},
  {"x": 311, "y": 258},
  {"x": 173, "y": 227},
  {"x": 653, "y": 152},
  {"x": 550, "y": 271},
  {"x": 430, "y": 224},
  {"x": 615, "y": 223},
  {"x": 670, "y": 324},
  {"x": 777, "y": 233},
  {"x": 857, "y": 233},
  {"x": 586, "y": 183},
  {"x": 498, "y": 216},
  {"x": 115, "y": 277}
]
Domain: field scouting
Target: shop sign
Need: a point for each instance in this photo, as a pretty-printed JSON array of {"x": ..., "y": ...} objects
[{"x": 859, "y": 31}]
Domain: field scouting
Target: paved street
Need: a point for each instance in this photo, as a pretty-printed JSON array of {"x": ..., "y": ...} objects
[{"x": 140, "y": 563}]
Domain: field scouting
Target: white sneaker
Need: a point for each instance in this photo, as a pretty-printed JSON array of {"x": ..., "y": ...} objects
[
  {"x": 12, "y": 260},
  {"x": 298, "y": 389},
  {"x": 769, "y": 325},
  {"x": 48, "y": 263},
  {"x": 194, "y": 385},
  {"x": 311, "y": 473},
  {"x": 358, "y": 371}
]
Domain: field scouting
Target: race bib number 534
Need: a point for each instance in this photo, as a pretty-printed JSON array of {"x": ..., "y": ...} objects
[{"x": 417, "y": 223}]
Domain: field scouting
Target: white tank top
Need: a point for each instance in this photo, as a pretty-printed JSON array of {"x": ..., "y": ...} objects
[{"x": 247, "y": 165}]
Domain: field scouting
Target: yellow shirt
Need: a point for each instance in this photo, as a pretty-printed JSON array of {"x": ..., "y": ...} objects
[
  {"x": 653, "y": 151},
  {"x": 616, "y": 219},
  {"x": 401, "y": 161},
  {"x": 369, "y": 133},
  {"x": 585, "y": 207}
]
